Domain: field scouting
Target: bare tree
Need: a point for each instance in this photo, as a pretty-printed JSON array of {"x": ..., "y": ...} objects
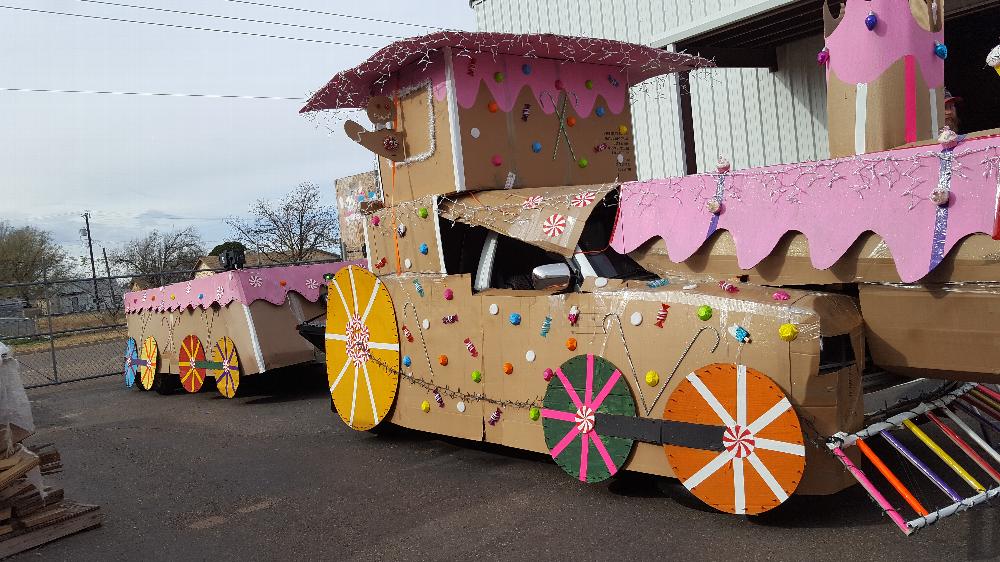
[
  {"x": 152, "y": 256},
  {"x": 28, "y": 255},
  {"x": 293, "y": 228}
]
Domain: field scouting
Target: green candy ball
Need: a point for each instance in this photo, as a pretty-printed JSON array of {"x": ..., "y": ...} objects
[
  {"x": 704, "y": 312},
  {"x": 589, "y": 84},
  {"x": 583, "y": 162},
  {"x": 534, "y": 414},
  {"x": 422, "y": 212},
  {"x": 477, "y": 376},
  {"x": 498, "y": 76}
]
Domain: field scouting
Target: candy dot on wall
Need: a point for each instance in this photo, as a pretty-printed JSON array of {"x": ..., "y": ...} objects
[
  {"x": 941, "y": 50},
  {"x": 788, "y": 332},
  {"x": 460, "y": 407},
  {"x": 448, "y": 294},
  {"x": 493, "y": 107},
  {"x": 529, "y": 356},
  {"x": 375, "y": 220},
  {"x": 589, "y": 84},
  {"x": 871, "y": 21},
  {"x": 515, "y": 318},
  {"x": 425, "y": 406},
  {"x": 526, "y": 69},
  {"x": 443, "y": 360},
  {"x": 494, "y": 309},
  {"x": 497, "y": 160},
  {"x": 547, "y": 374},
  {"x": 571, "y": 121},
  {"x": 477, "y": 376},
  {"x": 583, "y": 163},
  {"x": 424, "y": 249},
  {"x": 652, "y": 378},
  {"x": 559, "y": 84},
  {"x": 407, "y": 263},
  {"x": 426, "y": 324},
  {"x": 474, "y": 132},
  {"x": 407, "y": 361},
  {"x": 704, "y": 312},
  {"x": 536, "y": 147},
  {"x": 636, "y": 318},
  {"x": 601, "y": 282},
  {"x": 498, "y": 77},
  {"x": 623, "y": 129},
  {"x": 620, "y": 158},
  {"x": 571, "y": 344},
  {"x": 422, "y": 212},
  {"x": 508, "y": 368},
  {"x": 534, "y": 413},
  {"x": 600, "y": 111}
]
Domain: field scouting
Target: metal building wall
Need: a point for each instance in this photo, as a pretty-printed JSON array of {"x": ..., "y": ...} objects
[{"x": 752, "y": 116}]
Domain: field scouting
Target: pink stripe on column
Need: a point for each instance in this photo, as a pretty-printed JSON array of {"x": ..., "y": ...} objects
[
  {"x": 606, "y": 390},
  {"x": 565, "y": 441},
  {"x": 599, "y": 445},
  {"x": 583, "y": 458},
  {"x": 569, "y": 389},
  {"x": 911, "y": 98},
  {"x": 558, "y": 415}
]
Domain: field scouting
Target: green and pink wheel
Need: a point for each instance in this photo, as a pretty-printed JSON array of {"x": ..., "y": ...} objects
[{"x": 583, "y": 386}]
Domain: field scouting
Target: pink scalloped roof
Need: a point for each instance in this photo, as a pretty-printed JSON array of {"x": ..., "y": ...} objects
[
  {"x": 351, "y": 88},
  {"x": 244, "y": 285},
  {"x": 831, "y": 202}
]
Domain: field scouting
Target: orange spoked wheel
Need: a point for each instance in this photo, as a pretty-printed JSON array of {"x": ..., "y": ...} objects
[
  {"x": 362, "y": 347},
  {"x": 762, "y": 456},
  {"x": 225, "y": 367},
  {"x": 192, "y": 364},
  {"x": 149, "y": 356}
]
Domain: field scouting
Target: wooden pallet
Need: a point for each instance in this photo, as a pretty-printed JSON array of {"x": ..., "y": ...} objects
[{"x": 46, "y": 525}]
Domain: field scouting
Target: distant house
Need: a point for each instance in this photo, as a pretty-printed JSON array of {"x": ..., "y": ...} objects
[{"x": 207, "y": 265}]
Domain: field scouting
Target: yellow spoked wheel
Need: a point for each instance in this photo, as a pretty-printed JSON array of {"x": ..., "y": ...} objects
[
  {"x": 362, "y": 347},
  {"x": 225, "y": 367},
  {"x": 149, "y": 357}
]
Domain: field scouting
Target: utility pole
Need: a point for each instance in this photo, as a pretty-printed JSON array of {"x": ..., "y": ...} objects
[
  {"x": 93, "y": 266},
  {"x": 107, "y": 268}
]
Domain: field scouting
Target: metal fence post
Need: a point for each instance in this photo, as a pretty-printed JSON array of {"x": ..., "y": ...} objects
[{"x": 48, "y": 315}]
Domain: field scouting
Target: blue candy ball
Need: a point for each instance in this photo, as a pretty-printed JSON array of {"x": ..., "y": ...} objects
[
  {"x": 941, "y": 50},
  {"x": 526, "y": 69},
  {"x": 536, "y": 147},
  {"x": 599, "y": 111},
  {"x": 871, "y": 21},
  {"x": 406, "y": 360},
  {"x": 515, "y": 318},
  {"x": 423, "y": 249}
]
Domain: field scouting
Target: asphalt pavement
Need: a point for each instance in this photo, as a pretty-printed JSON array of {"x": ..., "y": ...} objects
[{"x": 275, "y": 475}]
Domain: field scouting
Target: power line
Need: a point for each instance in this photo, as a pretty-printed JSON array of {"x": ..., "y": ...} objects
[
  {"x": 160, "y": 94},
  {"x": 248, "y": 20},
  {"x": 335, "y": 14},
  {"x": 189, "y": 27}
]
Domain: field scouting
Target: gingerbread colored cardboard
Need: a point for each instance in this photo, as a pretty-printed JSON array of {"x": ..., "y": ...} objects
[{"x": 353, "y": 192}]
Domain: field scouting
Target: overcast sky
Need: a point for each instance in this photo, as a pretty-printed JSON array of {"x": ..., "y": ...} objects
[{"x": 139, "y": 163}]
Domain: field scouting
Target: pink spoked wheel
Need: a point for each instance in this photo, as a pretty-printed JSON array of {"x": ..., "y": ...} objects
[{"x": 584, "y": 386}]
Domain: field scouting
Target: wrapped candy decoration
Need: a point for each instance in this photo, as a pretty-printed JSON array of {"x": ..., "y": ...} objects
[
  {"x": 390, "y": 143},
  {"x": 728, "y": 286},
  {"x": 418, "y": 287},
  {"x": 450, "y": 319},
  {"x": 438, "y": 398},
  {"x": 780, "y": 296},
  {"x": 739, "y": 333},
  {"x": 722, "y": 165},
  {"x": 407, "y": 333},
  {"x": 993, "y": 59},
  {"x": 661, "y": 315},
  {"x": 546, "y": 326},
  {"x": 658, "y": 283},
  {"x": 471, "y": 347},
  {"x": 574, "y": 315},
  {"x": 495, "y": 417}
]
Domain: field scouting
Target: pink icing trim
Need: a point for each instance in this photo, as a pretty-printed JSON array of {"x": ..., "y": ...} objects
[
  {"x": 911, "y": 99},
  {"x": 831, "y": 202},
  {"x": 541, "y": 80},
  {"x": 243, "y": 285},
  {"x": 859, "y": 56}
]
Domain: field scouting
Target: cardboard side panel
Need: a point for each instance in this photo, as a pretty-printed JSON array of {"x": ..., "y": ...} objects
[
  {"x": 384, "y": 238},
  {"x": 975, "y": 258},
  {"x": 939, "y": 331},
  {"x": 279, "y": 342}
]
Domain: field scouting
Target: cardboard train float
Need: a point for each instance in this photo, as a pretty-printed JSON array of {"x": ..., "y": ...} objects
[{"x": 753, "y": 333}]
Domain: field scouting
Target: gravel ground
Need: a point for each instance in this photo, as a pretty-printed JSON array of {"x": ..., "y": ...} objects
[{"x": 274, "y": 475}]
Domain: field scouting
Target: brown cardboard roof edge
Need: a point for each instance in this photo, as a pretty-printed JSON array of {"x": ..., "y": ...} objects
[{"x": 514, "y": 212}]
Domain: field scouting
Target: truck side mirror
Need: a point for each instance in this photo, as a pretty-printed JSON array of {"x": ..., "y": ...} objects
[{"x": 551, "y": 276}]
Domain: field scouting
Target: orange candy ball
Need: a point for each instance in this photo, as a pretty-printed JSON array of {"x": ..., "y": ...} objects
[
  {"x": 571, "y": 344},
  {"x": 493, "y": 107},
  {"x": 508, "y": 368},
  {"x": 571, "y": 120},
  {"x": 443, "y": 360}
]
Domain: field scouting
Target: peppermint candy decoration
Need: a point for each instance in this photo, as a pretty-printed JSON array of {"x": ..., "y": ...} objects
[
  {"x": 533, "y": 202},
  {"x": 187, "y": 289},
  {"x": 584, "y": 199},
  {"x": 312, "y": 284},
  {"x": 739, "y": 441},
  {"x": 584, "y": 419},
  {"x": 554, "y": 225},
  {"x": 219, "y": 292},
  {"x": 255, "y": 280}
]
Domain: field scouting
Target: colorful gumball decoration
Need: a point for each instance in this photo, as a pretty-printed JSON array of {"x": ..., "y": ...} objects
[
  {"x": 448, "y": 294},
  {"x": 443, "y": 360},
  {"x": 871, "y": 21},
  {"x": 571, "y": 344},
  {"x": 508, "y": 368},
  {"x": 515, "y": 319},
  {"x": 704, "y": 312}
]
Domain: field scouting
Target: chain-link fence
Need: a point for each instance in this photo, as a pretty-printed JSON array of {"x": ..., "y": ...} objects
[{"x": 60, "y": 331}]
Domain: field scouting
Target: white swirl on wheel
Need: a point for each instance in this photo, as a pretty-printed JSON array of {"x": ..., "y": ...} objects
[{"x": 584, "y": 419}]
